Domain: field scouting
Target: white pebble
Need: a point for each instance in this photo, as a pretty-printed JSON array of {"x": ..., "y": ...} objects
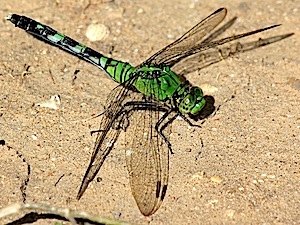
[
  {"x": 53, "y": 103},
  {"x": 216, "y": 179},
  {"x": 97, "y": 32},
  {"x": 34, "y": 137},
  {"x": 208, "y": 88}
]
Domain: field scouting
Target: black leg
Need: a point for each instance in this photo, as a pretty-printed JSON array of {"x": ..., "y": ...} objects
[
  {"x": 140, "y": 105},
  {"x": 95, "y": 131},
  {"x": 159, "y": 130},
  {"x": 188, "y": 121},
  {"x": 156, "y": 107}
]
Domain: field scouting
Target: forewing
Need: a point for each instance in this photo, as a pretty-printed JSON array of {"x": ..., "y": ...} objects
[
  {"x": 214, "y": 55},
  {"x": 147, "y": 157},
  {"x": 107, "y": 134},
  {"x": 188, "y": 40}
]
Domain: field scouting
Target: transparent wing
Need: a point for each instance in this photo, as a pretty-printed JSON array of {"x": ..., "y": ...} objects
[
  {"x": 193, "y": 42},
  {"x": 207, "y": 45},
  {"x": 147, "y": 157},
  {"x": 189, "y": 39},
  {"x": 147, "y": 154},
  {"x": 211, "y": 56},
  {"x": 108, "y": 133}
]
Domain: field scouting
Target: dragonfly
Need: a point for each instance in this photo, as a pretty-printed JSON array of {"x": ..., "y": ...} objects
[{"x": 149, "y": 97}]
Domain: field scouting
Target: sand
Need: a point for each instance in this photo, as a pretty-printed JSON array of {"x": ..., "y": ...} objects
[{"x": 241, "y": 167}]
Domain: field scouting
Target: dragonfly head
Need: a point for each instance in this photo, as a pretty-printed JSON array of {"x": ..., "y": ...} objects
[{"x": 192, "y": 102}]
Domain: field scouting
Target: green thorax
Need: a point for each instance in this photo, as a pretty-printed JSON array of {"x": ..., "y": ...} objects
[
  {"x": 159, "y": 82},
  {"x": 163, "y": 84}
]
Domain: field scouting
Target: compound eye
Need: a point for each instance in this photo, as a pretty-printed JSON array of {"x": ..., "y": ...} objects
[
  {"x": 187, "y": 100},
  {"x": 199, "y": 102},
  {"x": 197, "y": 92},
  {"x": 186, "y": 104}
]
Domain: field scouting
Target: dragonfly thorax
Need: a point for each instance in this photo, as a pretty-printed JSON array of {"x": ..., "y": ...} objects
[
  {"x": 158, "y": 82},
  {"x": 163, "y": 84},
  {"x": 192, "y": 101}
]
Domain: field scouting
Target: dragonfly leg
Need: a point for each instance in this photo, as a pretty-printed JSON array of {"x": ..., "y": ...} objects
[
  {"x": 164, "y": 117},
  {"x": 160, "y": 130},
  {"x": 188, "y": 121},
  {"x": 139, "y": 105},
  {"x": 122, "y": 118},
  {"x": 95, "y": 131},
  {"x": 156, "y": 107}
]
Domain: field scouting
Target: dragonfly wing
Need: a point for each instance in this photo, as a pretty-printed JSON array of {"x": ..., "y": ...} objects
[
  {"x": 110, "y": 128},
  {"x": 205, "y": 58},
  {"x": 147, "y": 158},
  {"x": 189, "y": 39}
]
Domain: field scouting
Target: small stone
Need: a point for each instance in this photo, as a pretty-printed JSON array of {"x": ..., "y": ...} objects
[
  {"x": 140, "y": 11},
  {"x": 216, "y": 179},
  {"x": 97, "y": 32},
  {"x": 34, "y": 137},
  {"x": 294, "y": 83},
  {"x": 117, "y": 215},
  {"x": 53, "y": 103},
  {"x": 196, "y": 178},
  {"x": 208, "y": 88},
  {"x": 230, "y": 213}
]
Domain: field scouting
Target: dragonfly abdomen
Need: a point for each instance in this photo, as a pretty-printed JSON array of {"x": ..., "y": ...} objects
[{"x": 117, "y": 70}]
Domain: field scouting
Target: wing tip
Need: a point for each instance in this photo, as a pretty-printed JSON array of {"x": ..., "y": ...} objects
[
  {"x": 82, "y": 189},
  {"x": 84, "y": 184},
  {"x": 223, "y": 9}
]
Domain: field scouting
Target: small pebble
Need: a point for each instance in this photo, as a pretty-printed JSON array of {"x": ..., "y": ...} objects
[
  {"x": 97, "y": 32},
  {"x": 208, "y": 88},
  {"x": 128, "y": 152},
  {"x": 117, "y": 214},
  {"x": 294, "y": 83},
  {"x": 140, "y": 11},
  {"x": 230, "y": 213},
  {"x": 34, "y": 137},
  {"x": 53, "y": 103},
  {"x": 196, "y": 179},
  {"x": 216, "y": 179},
  {"x": 271, "y": 176}
]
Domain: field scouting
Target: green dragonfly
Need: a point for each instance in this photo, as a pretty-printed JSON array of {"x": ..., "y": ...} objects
[{"x": 148, "y": 98}]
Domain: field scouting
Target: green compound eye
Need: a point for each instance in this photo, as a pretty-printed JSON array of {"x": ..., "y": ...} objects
[
  {"x": 199, "y": 102},
  {"x": 198, "y": 106},
  {"x": 186, "y": 104},
  {"x": 192, "y": 102}
]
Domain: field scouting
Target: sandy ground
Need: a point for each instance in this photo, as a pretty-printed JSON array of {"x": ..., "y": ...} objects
[{"x": 252, "y": 143}]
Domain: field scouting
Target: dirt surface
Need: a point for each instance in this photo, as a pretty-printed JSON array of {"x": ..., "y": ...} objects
[{"x": 252, "y": 142}]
